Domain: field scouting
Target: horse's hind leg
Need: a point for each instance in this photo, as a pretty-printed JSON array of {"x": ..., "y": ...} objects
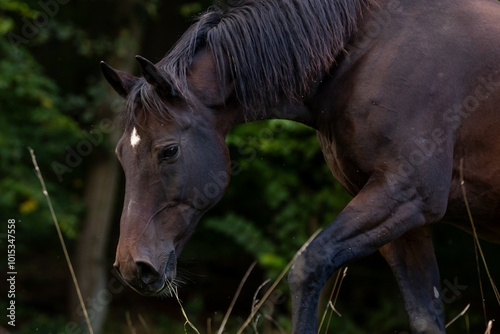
[{"x": 414, "y": 264}]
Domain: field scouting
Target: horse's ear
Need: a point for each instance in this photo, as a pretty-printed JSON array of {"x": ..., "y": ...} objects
[
  {"x": 121, "y": 82},
  {"x": 212, "y": 85},
  {"x": 154, "y": 77}
]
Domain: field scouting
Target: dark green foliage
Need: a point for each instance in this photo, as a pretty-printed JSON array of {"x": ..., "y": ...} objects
[
  {"x": 280, "y": 193},
  {"x": 31, "y": 116}
]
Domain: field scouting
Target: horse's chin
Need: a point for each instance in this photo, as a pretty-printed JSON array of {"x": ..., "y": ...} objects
[
  {"x": 163, "y": 291},
  {"x": 150, "y": 291},
  {"x": 169, "y": 289}
]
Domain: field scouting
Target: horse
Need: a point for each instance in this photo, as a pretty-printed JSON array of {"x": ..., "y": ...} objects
[{"x": 404, "y": 96}]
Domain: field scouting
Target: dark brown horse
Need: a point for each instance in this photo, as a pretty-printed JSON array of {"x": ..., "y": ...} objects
[{"x": 399, "y": 91}]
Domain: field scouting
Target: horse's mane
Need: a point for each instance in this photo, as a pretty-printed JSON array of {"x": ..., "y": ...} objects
[{"x": 275, "y": 48}]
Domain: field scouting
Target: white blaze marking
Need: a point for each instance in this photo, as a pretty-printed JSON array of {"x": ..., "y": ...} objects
[{"x": 134, "y": 139}]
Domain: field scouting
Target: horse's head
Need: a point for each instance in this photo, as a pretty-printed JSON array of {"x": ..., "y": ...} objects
[{"x": 176, "y": 166}]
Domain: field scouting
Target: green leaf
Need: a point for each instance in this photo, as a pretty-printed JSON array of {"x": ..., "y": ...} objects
[
  {"x": 19, "y": 7},
  {"x": 274, "y": 261}
]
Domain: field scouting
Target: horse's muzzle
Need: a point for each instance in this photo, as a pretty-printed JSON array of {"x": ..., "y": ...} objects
[{"x": 146, "y": 278}]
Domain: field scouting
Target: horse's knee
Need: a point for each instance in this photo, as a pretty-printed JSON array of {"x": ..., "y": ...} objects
[
  {"x": 297, "y": 274},
  {"x": 309, "y": 270},
  {"x": 425, "y": 326}
]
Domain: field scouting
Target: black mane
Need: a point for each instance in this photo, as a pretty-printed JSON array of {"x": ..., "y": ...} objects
[{"x": 276, "y": 48}]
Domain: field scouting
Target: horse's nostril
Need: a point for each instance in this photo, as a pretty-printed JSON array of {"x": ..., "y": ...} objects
[{"x": 146, "y": 272}]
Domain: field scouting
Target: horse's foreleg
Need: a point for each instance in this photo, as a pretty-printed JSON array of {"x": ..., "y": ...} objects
[
  {"x": 379, "y": 214},
  {"x": 414, "y": 264}
]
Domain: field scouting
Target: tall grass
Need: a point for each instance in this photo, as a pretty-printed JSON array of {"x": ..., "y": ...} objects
[{"x": 61, "y": 239}]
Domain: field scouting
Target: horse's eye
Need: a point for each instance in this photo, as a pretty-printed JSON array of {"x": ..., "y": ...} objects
[{"x": 168, "y": 152}]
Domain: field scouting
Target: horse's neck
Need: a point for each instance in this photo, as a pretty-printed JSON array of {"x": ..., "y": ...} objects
[{"x": 287, "y": 110}]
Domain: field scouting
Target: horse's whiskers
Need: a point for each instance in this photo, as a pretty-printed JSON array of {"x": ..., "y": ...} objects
[{"x": 170, "y": 289}]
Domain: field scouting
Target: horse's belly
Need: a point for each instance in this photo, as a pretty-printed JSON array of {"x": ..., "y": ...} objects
[
  {"x": 487, "y": 222},
  {"x": 477, "y": 157}
]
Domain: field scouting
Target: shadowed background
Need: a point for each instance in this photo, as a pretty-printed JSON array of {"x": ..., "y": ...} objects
[{"x": 53, "y": 99}]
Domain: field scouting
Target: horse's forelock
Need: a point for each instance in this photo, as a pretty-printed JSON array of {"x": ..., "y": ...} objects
[{"x": 144, "y": 98}]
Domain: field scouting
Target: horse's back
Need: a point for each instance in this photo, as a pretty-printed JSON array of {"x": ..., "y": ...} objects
[{"x": 421, "y": 81}]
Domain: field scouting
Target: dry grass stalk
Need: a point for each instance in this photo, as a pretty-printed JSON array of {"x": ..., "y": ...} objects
[
  {"x": 174, "y": 291},
  {"x": 209, "y": 326},
  {"x": 276, "y": 282},
  {"x": 490, "y": 326},
  {"x": 477, "y": 244},
  {"x": 129, "y": 323},
  {"x": 144, "y": 323},
  {"x": 335, "y": 301},
  {"x": 237, "y": 294},
  {"x": 275, "y": 323},
  {"x": 61, "y": 239},
  {"x": 329, "y": 300},
  {"x": 461, "y": 314},
  {"x": 255, "y": 301}
]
